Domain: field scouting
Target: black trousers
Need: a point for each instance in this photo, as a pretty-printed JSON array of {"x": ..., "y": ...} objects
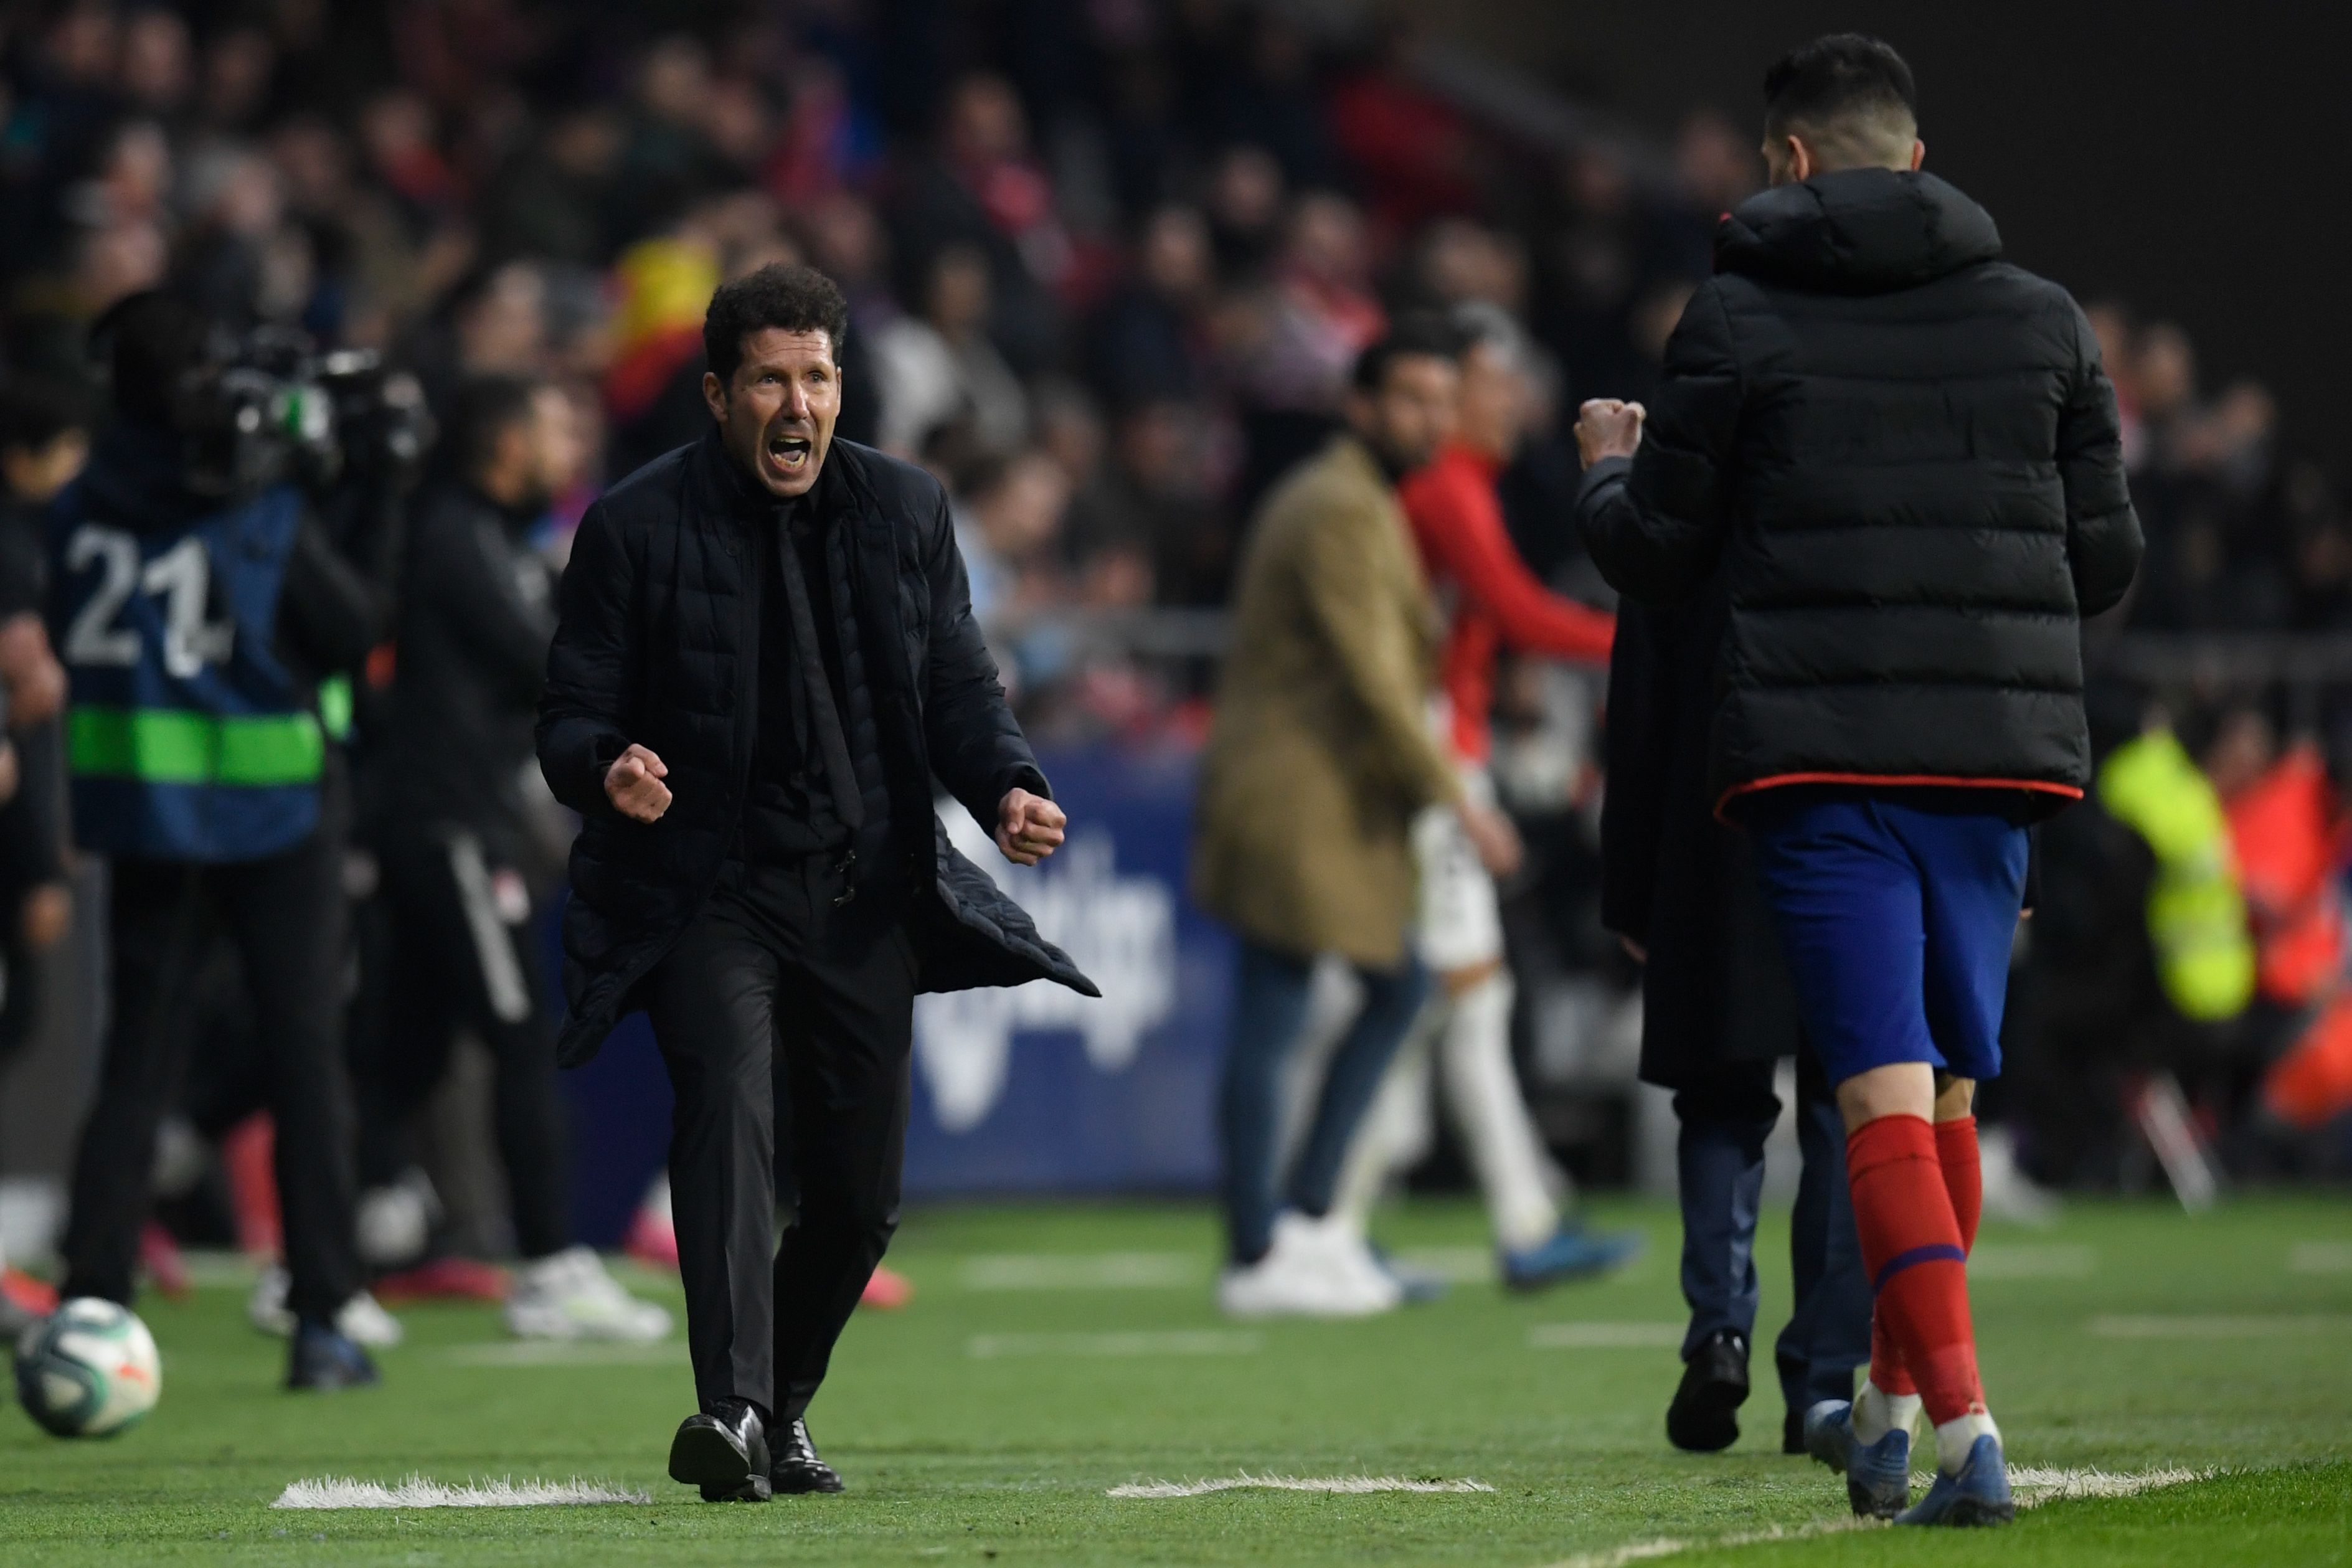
[
  {"x": 461, "y": 955},
  {"x": 287, "y": 918},
  {"x": 775, "y": 976},
  {"x": 1720, "y": 1156}
]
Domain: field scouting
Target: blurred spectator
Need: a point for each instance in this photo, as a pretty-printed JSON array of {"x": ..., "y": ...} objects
[
  {"x": 1008, "y": 526},
  {"x": 1411, "y": 147},
  {"x": 1317, "y": 314},
  {"x": 556, "y": 198},
  {"x": 1269, "y": 98},
  {"x": 981, "y": 188},
  {"x": 1152, "y": 339},
  {"x": 941, "y": 366}
]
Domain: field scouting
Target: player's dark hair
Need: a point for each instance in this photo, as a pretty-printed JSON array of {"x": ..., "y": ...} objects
[
  {"x": 1842, "y": 80},
  {"x": 153, "y": 342},
  {"x": 782, "y": 294},
  {"x": 488, "y": 406},
  {"x": 35, "y": 411},
  {"x": 1414, "y": 334}
]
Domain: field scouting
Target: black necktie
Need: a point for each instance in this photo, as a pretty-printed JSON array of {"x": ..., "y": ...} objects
[{"x": 824, "y": 719}]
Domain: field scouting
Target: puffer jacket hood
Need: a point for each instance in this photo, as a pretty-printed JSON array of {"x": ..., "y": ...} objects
[{"x": 1856, "y": 231}]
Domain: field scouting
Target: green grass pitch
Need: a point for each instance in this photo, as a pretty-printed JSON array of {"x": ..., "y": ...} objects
[{"x": 1053, "y": 1353}]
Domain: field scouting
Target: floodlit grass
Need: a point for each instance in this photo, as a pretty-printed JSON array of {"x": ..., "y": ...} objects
[{"x": 1053, "y": 1353}]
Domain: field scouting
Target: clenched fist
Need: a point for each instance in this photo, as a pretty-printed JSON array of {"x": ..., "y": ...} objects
[
  {"x": 1606, "y": 428},
  {"x": 634, "y": 784},
  {"x": 1028, "y": 826}
]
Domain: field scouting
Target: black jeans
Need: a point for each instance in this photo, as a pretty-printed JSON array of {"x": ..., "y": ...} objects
[
  {"x": 287, "y": 918},
  {"x": 773, "y": 970},
  {"x": 1720, "y": 1157},
  {"x": 462, "y": 955}
]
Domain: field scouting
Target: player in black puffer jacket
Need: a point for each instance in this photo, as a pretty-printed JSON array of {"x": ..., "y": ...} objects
[
  {"x": 1900, "y": 455},
  {"x": 1904, "y": 454}
]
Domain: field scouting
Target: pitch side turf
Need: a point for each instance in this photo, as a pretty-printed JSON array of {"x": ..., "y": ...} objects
[{"x": 1054, "y": 1355}]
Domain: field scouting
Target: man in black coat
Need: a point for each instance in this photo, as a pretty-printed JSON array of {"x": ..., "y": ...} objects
[
  {"x": 1901, "y": 456},
  {"x": 476, "y": 613},
  {"x": 1718, "y": 1015},
  {"x": 765, "y": 653}
]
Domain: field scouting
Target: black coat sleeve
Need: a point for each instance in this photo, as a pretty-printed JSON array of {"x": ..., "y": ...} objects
[
  {"x": 1655, "y": 525},
  {"x": 2103, "y": 534},
  {"x": 588, "y": 666},
  {"x": 1636, "y": 730},
  {"x": 461, "y": 574},
  {"x": 976, "y": 746}
]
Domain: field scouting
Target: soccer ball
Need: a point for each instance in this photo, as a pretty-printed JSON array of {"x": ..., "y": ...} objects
[{"x": 89, "y": 1369}]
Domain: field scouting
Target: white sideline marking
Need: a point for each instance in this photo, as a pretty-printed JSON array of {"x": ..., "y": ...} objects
[
  {"x": 2030, "y": 1487},
  {"x": 563, "y": 1352},
  {"x": 2033, "y": 1486},
  {"x": 1084, "y": 1271},
  {"x": 2221, "y": 1327},
  {"x": 2031, "y": 1260},
  {"x": 1350, "y": 1485},
  {"x": 220, "y": 1269},
  {"x": 2320, "y": 1257},
  {"x": 1136, "y": 1343},
  {"x": 1603, "y": 1336},
  {"x": 416, "y": 1491}
]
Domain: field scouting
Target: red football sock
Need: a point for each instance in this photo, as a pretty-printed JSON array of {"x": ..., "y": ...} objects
[
  {"x": 1887, "y": 1373},
  {"x": 1956, "y": 1151},
  {"x": 1911, "y": 1245}
]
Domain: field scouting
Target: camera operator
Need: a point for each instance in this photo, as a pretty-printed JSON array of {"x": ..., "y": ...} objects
[
  {"x": 198, "y": 602},
  {"x": 478, "y": 612}
]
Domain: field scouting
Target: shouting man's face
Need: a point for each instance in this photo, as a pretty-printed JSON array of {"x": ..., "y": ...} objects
[{"x": 775, "y": 414}]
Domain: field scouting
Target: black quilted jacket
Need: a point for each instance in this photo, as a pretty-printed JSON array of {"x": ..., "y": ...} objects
[
  {"x": 658, "y": 645},
  {"x": 1902, "y": 454}
]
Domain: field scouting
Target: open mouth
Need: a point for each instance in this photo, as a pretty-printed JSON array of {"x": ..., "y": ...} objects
[{"x": 790, "y": 453}]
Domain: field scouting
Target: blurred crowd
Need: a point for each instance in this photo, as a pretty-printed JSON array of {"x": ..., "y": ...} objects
[{"x": 1109, "y": 263}]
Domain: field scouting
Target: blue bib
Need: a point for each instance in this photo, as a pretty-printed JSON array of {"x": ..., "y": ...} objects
[{"x": 183, "y": 732}]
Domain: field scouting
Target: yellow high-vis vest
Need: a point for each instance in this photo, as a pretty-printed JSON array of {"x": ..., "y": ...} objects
[{"x": 2196, "y": 909}]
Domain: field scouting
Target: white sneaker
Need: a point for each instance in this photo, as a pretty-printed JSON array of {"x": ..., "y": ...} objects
[
  {"x": 569, "y": 1296},
  {"x": 361, "y": 1320},
  {"x": 395, "y": 1223},
  {"x": 2009, "y": 1193},
  {"x": 1299, "y": 1277},
  {"x": 1347, "y": 1257}
]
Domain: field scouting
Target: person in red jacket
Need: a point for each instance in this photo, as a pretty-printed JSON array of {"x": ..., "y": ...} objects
[{"x": 1494, "y": 601}]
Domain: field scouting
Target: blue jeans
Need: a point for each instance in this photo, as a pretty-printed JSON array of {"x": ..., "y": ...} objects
[
  {"x": 1897, "y": 914},
  {"x": 1271, "y": 991}
]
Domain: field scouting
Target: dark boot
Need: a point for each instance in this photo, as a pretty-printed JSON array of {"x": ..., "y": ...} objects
[
  {"x": 724, "y": 1451},
  {"x": 322, "y": 1359},
  {"x": 1703, "y": 1416},
  {"x": 796, "y": 1468}
]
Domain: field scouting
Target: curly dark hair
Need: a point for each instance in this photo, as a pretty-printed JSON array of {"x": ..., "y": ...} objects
[{"x": 782, "y": 294}]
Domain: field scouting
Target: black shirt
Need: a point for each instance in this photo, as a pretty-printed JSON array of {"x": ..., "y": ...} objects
[{"x": 789, "y": 811}]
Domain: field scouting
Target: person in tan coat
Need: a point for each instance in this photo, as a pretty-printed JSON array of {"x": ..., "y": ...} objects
[{"x": 1321, "y": 756}]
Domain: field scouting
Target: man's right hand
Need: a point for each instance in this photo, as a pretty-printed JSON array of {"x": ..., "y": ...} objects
[
  {"x": 634, "y": 784},
  {"x": 1608, "y": 427}
]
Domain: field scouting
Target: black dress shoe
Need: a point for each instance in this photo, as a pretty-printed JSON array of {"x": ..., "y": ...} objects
[
  {"x": 323, "y": 1360},
  {"x": 796, "y": 1469},
  {"x": 1714, "y": 1386},
  {"x": 724, "y": 1452}
]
